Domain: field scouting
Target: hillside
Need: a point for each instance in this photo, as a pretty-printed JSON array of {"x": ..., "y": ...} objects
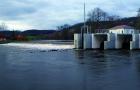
[
  {"x": 68, "y": 33},
  {"x": 36, "y": 34}
]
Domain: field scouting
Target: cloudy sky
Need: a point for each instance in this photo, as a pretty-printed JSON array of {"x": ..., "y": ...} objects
[{"x": 48, "y": 14}]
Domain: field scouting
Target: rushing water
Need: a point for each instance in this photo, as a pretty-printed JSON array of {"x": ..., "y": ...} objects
[{"x": 38, "y": 69}]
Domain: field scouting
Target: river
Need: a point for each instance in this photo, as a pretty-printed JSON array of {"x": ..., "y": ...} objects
[{"x": 27, "y": 67}]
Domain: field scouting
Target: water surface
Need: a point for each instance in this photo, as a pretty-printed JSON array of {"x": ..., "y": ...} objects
[{"x": 34, "y": 69}]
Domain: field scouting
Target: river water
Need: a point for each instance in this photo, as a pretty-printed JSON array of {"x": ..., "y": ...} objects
[{"x": 31, "y": 68}]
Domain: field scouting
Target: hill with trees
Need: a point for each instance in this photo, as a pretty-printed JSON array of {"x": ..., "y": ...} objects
[{"x": 97, "y": 19}]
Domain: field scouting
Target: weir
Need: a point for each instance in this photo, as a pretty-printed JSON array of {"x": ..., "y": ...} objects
[
  {"x": 124, "y": 41},
  {"x": 118, "y": 37},
  {"x": 78, "y": 41},
  {"x": 87, "y": 41},
  {"x": 110, "y": 43},
  {"x": 135, "y": 41},
  {"x": 98, "y": 41},
  {"x": 107, "y": 41}
]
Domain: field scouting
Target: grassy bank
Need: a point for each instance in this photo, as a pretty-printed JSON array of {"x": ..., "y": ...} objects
[{"x": 4, "y": 42}]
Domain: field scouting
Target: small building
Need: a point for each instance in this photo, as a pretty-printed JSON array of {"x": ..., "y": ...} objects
[{"x": 123, "y": 29}]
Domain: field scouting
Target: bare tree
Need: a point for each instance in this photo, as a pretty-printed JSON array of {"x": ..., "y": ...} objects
[
  {"x": 97, "y": 15},
  {"x": 105, "y": 16}
]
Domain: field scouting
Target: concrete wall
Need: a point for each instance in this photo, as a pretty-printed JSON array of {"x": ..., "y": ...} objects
[
  {"x": 97, "y": 39},
  {"x": 95, "y": 42},
  {"x": 78, "y": 41},
  {"x": 121, "y": 38},
  {"x": 139, "y": 41},
  {"x": 114, "y": 41},
  {"x": 110, "y": 43},
  {"x": 116, "y": 31},
  {"x": 129, "y": 31},
  {"x": 135, "y": 43},
  {"x": 87, "y": 41},
  {"x": 123, "y": 31},
  {"x": 118, "y": 42}
]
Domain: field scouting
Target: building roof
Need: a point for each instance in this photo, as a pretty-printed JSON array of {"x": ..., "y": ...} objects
[{"x": 122, "y": 27}]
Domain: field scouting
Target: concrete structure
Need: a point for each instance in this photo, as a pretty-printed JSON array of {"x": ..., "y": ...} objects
[
  {"x": 78, "y": 42},
  {"x": 98, "y": 40},
  {"x": 123, "y": 41},
  {"x": 123, "y": 29},
  {"x": 110, "y": 43},
  {"x": 119, "y": 37},
  {"x": 87, "y": 41}
]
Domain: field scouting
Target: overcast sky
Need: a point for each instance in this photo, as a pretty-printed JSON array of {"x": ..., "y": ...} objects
[{"x": 48, "y": 14}]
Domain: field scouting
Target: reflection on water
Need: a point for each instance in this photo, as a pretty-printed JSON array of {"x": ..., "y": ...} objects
[
  {"x": 33, "y": 69},
  {"x": 111, "y": 70}
]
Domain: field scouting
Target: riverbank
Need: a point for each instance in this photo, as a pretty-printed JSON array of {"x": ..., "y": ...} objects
[{"x": 4, "y": 42}]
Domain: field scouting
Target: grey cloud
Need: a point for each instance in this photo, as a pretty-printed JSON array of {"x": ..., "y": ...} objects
[
  {"x": 18, "y": 8},
  {"x": 47, "y": 14}
]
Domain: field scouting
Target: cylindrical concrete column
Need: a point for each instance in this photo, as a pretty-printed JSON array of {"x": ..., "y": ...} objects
[
  {"x": 87, "y": 41},
  {"x": 78, "y": 41}
]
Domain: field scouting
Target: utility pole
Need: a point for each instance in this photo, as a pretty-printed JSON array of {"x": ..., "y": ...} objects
[
  {"x": 84, "y": 27},
  {"x": 84, "y": 16},
  {"x": 138, "y": 15}
]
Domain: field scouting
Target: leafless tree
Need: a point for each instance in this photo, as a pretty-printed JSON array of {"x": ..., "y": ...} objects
[{"x": 97, "y": 15}]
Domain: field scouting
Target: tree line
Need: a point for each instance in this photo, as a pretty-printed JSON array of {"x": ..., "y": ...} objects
[
  {"x": 97, "y": 19},
  {"x": 98, "y": 15}
]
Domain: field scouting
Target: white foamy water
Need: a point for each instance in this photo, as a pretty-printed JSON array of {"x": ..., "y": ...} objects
[{"x": 40, "y": 46}]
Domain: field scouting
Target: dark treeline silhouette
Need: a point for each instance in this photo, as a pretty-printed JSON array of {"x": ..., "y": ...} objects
[{"x": 35, "y": 34}]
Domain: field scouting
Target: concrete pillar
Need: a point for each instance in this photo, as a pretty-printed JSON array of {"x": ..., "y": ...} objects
[
  {"x": 87, "y": 41},
  {"x": 97, "y": 40},
  {"x": 135, "y": 41},
  {"x": 118, "y": 42},
  {"x": 124, "y": 39},
  {"x": 110, "y": 43},
  {"x": 139, "y": 41},
  {"x": 78, "y": 41}
]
